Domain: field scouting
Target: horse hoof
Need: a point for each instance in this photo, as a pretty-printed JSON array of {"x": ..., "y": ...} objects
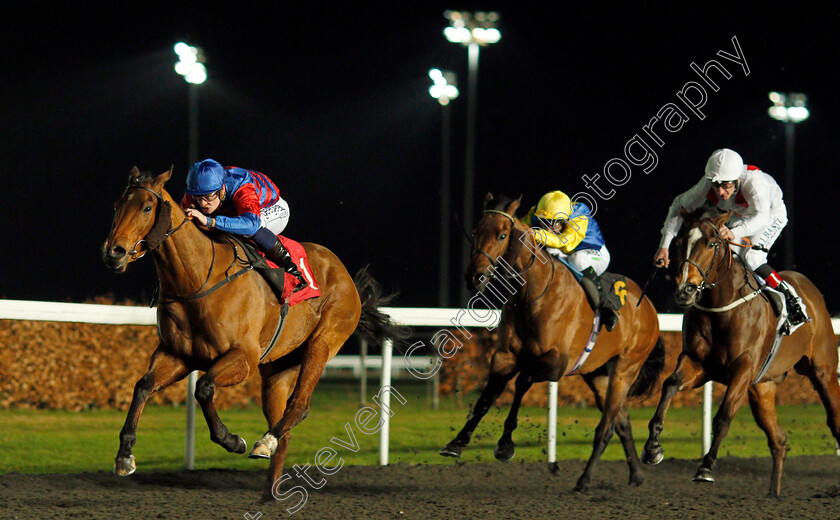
[
  {"x": 504, "y": 452},
  {"x": 242, "y": 447},
  {"x": 452, "y": 449},
  {"x": 264, "y": 448},
  {"x": 259, "y": 451},
  {"x": 653, "y": 457},
  {"x": 581, "y": 487},
  {"x": 124, "y": 467},
  {"x": 636, "y": 480},
  {"x": 703, "y": 475}
]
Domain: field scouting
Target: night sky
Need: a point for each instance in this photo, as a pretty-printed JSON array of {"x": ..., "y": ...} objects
[{"x": 332, "y": 103}]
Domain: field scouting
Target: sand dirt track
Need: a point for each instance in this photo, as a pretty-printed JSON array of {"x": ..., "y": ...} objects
[{"x": 810, "y": 489}]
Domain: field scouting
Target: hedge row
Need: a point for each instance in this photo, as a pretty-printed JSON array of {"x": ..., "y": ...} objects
[
  {"x": 467, "y": 371},
  {"x": 76, "y": 366}
]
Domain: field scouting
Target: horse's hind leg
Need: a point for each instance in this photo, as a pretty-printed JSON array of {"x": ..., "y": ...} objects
[
  {"x": 164, "y": 370},
  {"x": 620, "y": 380},
  {"x": 823, "y": 376},
  {"x": 736, "y": 391},
  {"x": 688, "y": 374},
  {"x": 502, "y": 369},
  {"x": 763, "y": 406},
  {"x": 598, "y": 385},
  {"x": 230, "y": 369}
]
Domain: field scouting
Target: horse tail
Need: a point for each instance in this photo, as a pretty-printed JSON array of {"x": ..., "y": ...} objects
[
  {"x": 373, "y": 323},
  {"x": 644, "y": 384}
]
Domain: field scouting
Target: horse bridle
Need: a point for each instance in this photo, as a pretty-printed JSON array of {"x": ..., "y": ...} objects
[
  {"x": 166, "y": 235},
  {"x": 705, "y": 275},
  {"x": 201, "y": 292},
  {"x": 492, "y": 273}
]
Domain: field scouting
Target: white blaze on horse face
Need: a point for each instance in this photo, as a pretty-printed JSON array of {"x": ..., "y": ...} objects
[{"x": 693, "y": 236}]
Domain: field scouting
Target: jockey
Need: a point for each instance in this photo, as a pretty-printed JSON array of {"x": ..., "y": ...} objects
[
  {"x": 240, "y": 202},
  {"x": 759, "y": 215},
  {"x": 568, "y": 232}
]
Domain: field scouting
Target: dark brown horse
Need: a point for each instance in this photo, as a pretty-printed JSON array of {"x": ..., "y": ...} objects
[
  {"x": 544, "y": 328},
  {"x": 223, "y": 332},
  {"x": 729, "y": 339}
]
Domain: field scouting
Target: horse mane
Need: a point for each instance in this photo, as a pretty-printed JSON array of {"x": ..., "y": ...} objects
[{"x": 707, "y": 211}]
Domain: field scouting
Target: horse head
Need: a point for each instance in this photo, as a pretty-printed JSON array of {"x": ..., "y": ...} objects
[
  {"x": 491, "y": 240},
  {"x": 701, "y": 250},
  {"x": 141, "y": 219}
]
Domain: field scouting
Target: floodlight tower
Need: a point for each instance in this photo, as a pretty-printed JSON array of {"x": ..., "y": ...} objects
[
  {"x": 473, "y": 30},
  {"x": 444, "y": 89},
  {"x": 790, "y": 108}
]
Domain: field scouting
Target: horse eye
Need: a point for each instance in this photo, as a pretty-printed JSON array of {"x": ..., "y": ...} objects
[
  {"x": 147, "y": 209},
  {"x": 712, "y": 245},
  {"x": 502, "y": 236}
]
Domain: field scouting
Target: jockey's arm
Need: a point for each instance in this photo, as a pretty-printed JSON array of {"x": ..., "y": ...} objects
[
  {"x": 689, "y": 200},
  {"x": 573, "y": 233},
  {"x": 760, "y": 201},
  {"x": 247, "y": 220}
]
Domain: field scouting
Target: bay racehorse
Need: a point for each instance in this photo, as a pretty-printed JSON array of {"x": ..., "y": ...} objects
[
  {"x": 223, "y": 332},
  {"x": 729, "y": 329},
  {"x": 545, "y": 325}
]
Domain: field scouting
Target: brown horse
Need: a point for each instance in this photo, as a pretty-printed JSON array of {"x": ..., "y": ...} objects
[
  {"x": 544, "y": 328},
  {"x": 728, "y": 341},
  {"x": 223, "y": 332}
]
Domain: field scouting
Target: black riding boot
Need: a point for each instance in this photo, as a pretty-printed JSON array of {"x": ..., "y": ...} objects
[
  {"x": 280, "y": 256},
  {"x": 592, "y": 287},
  {"x": 796, "y": 311}
]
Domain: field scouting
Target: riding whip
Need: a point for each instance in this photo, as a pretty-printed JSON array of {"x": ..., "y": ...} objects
[{"x": 656, "y": 268}]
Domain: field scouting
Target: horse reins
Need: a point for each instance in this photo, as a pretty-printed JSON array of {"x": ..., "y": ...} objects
[
  {"x": 166, "y": 235},
  {"x": 705, "y": 275},
  {"x": 493, "y": 261},
  {"x": 737, "y": 302},
  {"x": 198, "y": 293}
]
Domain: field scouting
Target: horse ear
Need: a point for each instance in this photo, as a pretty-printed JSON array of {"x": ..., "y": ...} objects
[
  {"x": 513, "y": 206},
  {"x": 488, "y": 199},
  {"x": 161, "y": 179},
  {"x": 134, "y": 176},
  {"x": 722, "y": 219}
]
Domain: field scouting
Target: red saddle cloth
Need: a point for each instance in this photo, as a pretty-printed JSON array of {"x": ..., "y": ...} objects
[{"x": 300, "y": 259}]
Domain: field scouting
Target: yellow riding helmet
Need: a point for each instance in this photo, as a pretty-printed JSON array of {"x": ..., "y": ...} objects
[{"x": 554, "y": 205}]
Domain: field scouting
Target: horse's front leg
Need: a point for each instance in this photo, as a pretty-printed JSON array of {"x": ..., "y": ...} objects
[
  {"x": 505, "y": 448},
  {"x": 277, "y": 386},
  {"x": 688, "y": 374},
  {"x": 164, "y": 370},
  {"x": 547, "y": 368},
  {"x": 736, "y": 393},
  {"x": 232, "y": 368},
  {"x": 502, "y": 368}
]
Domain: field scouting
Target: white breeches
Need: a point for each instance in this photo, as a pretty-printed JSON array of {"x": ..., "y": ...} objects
[
  {"x": 764, "y": 238},
  {"x": 275, "y": 217},
  {"x": 597, "y": 259}
]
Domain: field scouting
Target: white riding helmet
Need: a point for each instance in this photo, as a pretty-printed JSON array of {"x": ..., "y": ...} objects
[{"x": 724, "y": 165}]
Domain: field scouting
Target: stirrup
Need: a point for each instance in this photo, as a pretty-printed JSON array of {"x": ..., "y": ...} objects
[
  {"x": 610, "y": 319},
  {"x": 302, "y": 284}
]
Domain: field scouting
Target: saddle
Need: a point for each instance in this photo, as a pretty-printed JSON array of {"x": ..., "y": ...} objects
[
  {"x": 281, "y": 282},
  {"x": 607, "y": 292}
]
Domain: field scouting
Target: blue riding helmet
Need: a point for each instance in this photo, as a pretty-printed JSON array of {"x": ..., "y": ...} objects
[{"x": 207, "y": 176}]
